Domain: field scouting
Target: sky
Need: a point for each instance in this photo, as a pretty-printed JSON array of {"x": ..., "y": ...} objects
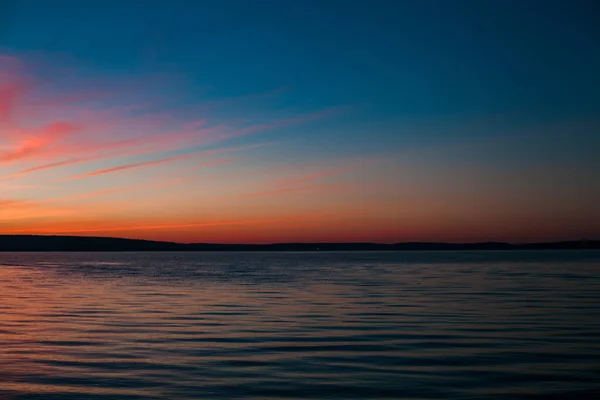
[{"x": 259, "y": 121}]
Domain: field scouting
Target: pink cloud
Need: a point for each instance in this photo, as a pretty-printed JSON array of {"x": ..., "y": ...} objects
[
  {"x": 44, "y": 126},
  {"x": 38, "y": 141},
  {"x": 97, "y": 127},
  {"x": 137, "y": 146}
]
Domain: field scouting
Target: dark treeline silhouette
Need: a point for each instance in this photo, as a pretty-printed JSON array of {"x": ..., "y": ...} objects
[{"x": 86, "y": 243}]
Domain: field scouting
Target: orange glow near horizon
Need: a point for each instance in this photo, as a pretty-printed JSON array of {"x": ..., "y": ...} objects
[{"x": 95, "y": 162}]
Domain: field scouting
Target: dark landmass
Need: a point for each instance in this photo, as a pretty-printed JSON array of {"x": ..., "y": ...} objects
[{"x": 87, "y": 243}]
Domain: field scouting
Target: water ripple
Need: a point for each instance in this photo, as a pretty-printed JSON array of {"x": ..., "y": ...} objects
[{"x": 415, "y": 325}]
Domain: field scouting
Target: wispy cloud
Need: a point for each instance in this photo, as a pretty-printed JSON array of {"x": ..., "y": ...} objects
[
  {"x": 153, "y": 143},
  {"x": 57, "y": 164},
  {"x": 62, "y": 126},
  {"x": 280, "y": 123},
  {"x": 136, "y": 146},
  {"x": 180, "y": 157},
  {"x": 150, "y": 185}
]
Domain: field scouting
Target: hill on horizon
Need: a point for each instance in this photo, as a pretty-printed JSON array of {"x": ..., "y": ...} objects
[{"x": 95, "y": 243}]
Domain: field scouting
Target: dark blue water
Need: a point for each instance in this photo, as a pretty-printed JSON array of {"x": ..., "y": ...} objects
[{"x": 389, "y": 325}]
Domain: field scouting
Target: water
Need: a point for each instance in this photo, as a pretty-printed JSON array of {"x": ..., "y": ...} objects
[{"x": 388, "y": 325}]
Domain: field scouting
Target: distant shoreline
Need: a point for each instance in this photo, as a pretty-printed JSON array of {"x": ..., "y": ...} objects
[{"x": 38, "y": 243}]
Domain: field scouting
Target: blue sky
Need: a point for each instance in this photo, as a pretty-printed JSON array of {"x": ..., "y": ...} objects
[
  {"x": 499, "y": 85},
  {"x": 392, "y": 59}
]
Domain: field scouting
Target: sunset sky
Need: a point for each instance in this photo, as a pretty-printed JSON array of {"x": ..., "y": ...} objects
[{"x": 312, "y": 120}]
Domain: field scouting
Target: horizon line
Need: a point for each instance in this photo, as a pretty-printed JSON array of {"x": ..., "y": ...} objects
[{"x": 489, "y": 242}]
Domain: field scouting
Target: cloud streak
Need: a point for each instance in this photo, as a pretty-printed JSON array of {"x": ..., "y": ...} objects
[
  {"x": 90, "y": 128},
  {"x": 204, "y": 153},
  {"x": 151, "y": 185},
  {"x": 170, "y": 179}
]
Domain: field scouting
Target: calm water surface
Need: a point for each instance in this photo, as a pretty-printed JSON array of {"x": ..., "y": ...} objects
[{"x": 388, "y": 325}]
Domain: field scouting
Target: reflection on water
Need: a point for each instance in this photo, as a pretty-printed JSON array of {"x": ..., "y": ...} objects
[{"x": 462, "y": 325}]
